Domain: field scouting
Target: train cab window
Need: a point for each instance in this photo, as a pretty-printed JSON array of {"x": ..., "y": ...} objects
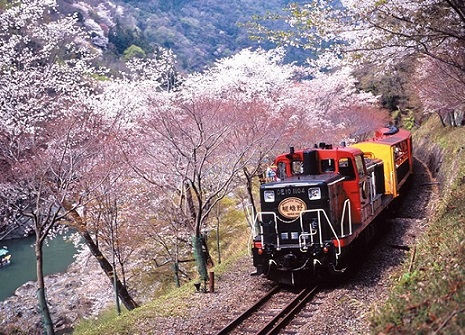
[
  {"x": 328, "y": 165},
  {"x": 281, "y": 170},
  {"x": 346, "y": 168},
  {"x": 359, "y": 164},
  {"x": 297, "y": 167}
]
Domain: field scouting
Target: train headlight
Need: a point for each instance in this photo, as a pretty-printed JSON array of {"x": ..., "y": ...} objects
[
  {"x": 268, "y": 196},
  {"x": 314, "y": 193}
]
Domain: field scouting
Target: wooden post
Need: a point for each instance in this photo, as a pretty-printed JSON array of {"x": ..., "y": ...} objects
[{"x": 212, "y": 282}]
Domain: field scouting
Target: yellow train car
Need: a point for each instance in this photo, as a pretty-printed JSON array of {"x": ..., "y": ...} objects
[{"x": 394, "y": 147}]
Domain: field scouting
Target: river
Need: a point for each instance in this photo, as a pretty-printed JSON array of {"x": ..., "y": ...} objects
[{"x": 58, "y": 255}]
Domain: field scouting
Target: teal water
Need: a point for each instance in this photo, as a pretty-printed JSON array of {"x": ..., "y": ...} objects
[{"x": 58, "y": 255}]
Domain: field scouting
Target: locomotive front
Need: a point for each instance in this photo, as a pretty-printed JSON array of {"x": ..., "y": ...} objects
[{"x": 300, "y": 220}]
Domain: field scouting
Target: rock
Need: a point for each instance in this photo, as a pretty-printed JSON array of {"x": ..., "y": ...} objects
[
  {"x": 97, "y": 34},
  {"x": 83, "y": 291}
]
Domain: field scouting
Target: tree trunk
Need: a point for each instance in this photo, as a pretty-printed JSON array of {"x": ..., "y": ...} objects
[
  {"x": 201, "y": 253},
  {"x": 46, "y": 318},
  {"x": 106, "y": 266},
  {"x": 199, "y": 256},
  {"x": 452, "y": 119},
  {"x": 442, "y": 119},
  {"x": 218, "y": 237},
  {"x": 197, "y": 237},
  {"x": 190, "y": 201},
  {"x": 123, "y": 293},
  {"x": 249, "y": 186}
]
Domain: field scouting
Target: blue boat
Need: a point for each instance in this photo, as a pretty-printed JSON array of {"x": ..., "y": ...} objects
[{"x": 5, "y": 257}]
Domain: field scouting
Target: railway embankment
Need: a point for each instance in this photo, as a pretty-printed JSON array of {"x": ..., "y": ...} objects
[
  {"x": 428, "y": 295},
  {"x": 355, "y": 306}
]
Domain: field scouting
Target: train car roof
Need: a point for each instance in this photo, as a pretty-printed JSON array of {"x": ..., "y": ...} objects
[
  {"x": 351, "y": 150},
  {"x": 304, "y": 180},
  {"x": 389, "y": 136},
  {"x": 348, "y": 149}
]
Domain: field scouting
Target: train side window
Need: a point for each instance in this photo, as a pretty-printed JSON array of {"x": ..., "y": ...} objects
[
  {"x": 400, "y": 153},
  {"x": 327, "y": 165},
  {"x": 359, "y": 164},
  {"x": 346, "y": 168},
  {"x": 297, "y": 167}
]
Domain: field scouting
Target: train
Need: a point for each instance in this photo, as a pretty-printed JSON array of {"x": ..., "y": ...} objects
[{"x": 318, "y": 205}]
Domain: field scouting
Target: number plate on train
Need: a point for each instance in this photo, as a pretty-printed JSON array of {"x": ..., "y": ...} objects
[{"x": 290, "y": 191}]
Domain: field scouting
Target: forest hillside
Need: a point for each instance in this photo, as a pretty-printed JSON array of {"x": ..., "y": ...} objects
[{"x": 198, "y": 32}]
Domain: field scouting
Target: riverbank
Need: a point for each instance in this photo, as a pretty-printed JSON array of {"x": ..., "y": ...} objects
[
  {"x": 58, "y": 255},
  {"x": 79, "y": 293}
]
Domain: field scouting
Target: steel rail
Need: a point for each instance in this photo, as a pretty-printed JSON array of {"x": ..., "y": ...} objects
[
  {"x": 234, "y": 323},
  {"x": 288, "y": 312}
]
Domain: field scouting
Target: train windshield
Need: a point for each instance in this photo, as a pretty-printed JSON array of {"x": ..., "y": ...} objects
[
  {"x": 281, "y": 170},
  {"x": 297, "y": 167}
]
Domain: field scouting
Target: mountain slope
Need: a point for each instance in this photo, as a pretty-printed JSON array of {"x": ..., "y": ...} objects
[{"x": 197, "y": 31}]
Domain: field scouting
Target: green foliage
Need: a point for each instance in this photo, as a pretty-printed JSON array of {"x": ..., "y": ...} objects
[
  {"x": 380, "y": 2},
  {"x": 408, "y": 279},
  {"x": 100, "y": 77},
  {"x": 409, "y": 121},
  {"x": 133, "y": 52},
  {"x": 390, "y": 86},
  {"x": 4, "y": 4},
  {"x": 405, "y": 119},
  {"x": 123, "y": 38}
]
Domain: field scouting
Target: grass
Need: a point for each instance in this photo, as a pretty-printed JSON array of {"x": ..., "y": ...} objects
[{"x": 428, "y": 295}]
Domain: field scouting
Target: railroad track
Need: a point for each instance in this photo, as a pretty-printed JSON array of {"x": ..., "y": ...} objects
[{"x": 270, "y": 313}]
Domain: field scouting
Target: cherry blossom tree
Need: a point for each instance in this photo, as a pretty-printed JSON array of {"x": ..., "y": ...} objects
[
  {"x": 191, "y": 142},
  {"x": 441, "y": 89},
  {"x": 348, "y": 112},
  {"x": 102, "y": 213},
  {"x": 115, "y": 217},
  {"x": 219, "y": 127},
  {"x": 39, "y": 85},
  {"x": 216, "y": 130},
  {"x": 107, "y": 219},
  {"x": 50, "y": 138},
  {"x": 380, "y": 34},
  {"x": 41, "y": 181},
  {"x": 432, "y": 28},
  {"x": 165, "y": 231}
]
